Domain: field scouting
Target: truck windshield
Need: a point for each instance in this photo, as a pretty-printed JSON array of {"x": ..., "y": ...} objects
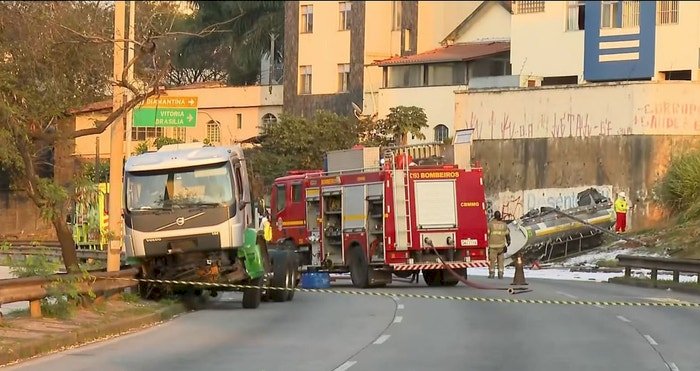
[{"x": 165, "y": 189}]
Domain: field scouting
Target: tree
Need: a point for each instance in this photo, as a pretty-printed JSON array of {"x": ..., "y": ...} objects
[
  {"x": 239, "y": 37},
  {"x": 157, "y": 142},
  {"x": 402, "y": 121},
  {"x": 55, "y": 57},
  {"x": 300, "y": 143}
]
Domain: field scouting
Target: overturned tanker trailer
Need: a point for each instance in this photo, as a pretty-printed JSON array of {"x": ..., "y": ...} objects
[{"x": 546, "y": 233}]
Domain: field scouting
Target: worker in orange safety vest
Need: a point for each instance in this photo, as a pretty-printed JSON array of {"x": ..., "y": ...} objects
[{"x": 621, "y": 208}]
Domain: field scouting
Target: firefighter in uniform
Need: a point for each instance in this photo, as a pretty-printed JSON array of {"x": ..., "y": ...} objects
[
  {"x": 621, "y": 208},
  {"x": 499, "y": 238}
]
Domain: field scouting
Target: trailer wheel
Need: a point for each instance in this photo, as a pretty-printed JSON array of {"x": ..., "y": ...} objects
[
  {"x": 252, "y": 297},
  {"x": 359, "y": 269}
]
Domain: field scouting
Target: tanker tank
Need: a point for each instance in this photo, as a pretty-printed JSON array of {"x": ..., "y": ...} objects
[{"x": 543, "y": 234}]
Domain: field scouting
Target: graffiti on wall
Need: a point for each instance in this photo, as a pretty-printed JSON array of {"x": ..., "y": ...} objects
[
  {"x": 517, "y": 203},
  {"x": 632, "y": 109}
]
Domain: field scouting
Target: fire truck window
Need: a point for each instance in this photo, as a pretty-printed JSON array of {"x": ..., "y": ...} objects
[
  {"x": 281, "y": 197},
  {"x": 296, "y": 192}
]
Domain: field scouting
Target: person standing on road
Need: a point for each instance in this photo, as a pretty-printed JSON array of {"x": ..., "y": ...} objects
[
  {"x": 621, "y": 208},
  {"x": 499, "y": 238},
  {"x": 266, "y": 226}
]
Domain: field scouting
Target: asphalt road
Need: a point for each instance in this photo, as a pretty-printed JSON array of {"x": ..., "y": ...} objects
[{"x": 345, "y": 332}]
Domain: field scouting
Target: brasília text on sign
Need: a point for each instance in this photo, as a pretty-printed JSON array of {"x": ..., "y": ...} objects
[{"x": 166, "y": 112}]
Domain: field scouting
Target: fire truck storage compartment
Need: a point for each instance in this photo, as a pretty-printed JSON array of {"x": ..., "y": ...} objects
[
  {"x": 332, "y": 224},
  {"x": 354, "y": 211},
  {"x": 436, "y": 204},
  {"x": 375, "y": 221},
  {"x": 313, "y": 211}
]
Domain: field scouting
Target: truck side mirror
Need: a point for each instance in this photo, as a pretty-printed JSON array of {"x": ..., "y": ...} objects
[{"x": 243, "y": 204}]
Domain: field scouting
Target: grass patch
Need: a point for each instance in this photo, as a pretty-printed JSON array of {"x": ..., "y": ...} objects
[{"x": 610, "y": 263}]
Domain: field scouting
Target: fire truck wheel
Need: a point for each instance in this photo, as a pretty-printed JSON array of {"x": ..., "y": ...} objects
[
  {"x": 432, "y": 277},
  {"x": 359, "y": 269},
  {"x": 449, "y": 280},
  {"x": 252, "y": 297},
  {"x": 288, "y": 245}
]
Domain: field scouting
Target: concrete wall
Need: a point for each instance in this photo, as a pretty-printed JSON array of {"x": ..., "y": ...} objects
[
  {"x": 437, "y": 102},
  {"x": 541, "y": 46},
  {"x": 592, "y": 110},
  {"x": 20, "y": 219},
  {"x": 536, "y": 144},
  {"x": 492, "y": 23},
  {"x": 677, "y": 44},
  {"x": 437, "y": 19}
]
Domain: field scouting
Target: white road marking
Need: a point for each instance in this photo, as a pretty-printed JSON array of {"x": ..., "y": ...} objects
[
  {"x": 398, "y": 319},
  {"x": 345, "y": 366},
  {"x": 567, "y": 295},
  {"x": 673, "y": 367},
  {"x": 623, "y": 319},
  {"x": 396, "y": 298},
  {"x": 400, "y": 306},
  {"x": 382, "y": 339},
  {"x": 651, "y": 340}
]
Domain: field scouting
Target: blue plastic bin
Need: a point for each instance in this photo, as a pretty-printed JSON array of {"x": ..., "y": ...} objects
[{"x": 315, "y": 280}]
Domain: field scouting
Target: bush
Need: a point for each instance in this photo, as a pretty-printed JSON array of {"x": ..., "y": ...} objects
[{"x": 679, "y": 189}]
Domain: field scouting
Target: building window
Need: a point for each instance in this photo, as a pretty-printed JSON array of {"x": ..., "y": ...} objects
[
  {"x": 630, "y": 13},
  {"x": 440, "y": 74},
  {"x": 405, "y": 76},
  {"x": 146, "y": 133},
  {"x": 305, "y": 80},
  {"x": 343, "y": 77},
  {"x": 396, "y": 15},
  {"x": 214, "y": 132},
  {"x": 281, "y": 197},
  {"x": 296, "y": 192},
  {"x": 667, "y": 12},
  {"x": 610, "y": 14},
  {"x": 344, "y": 20},
  {"x": 239, "y": 121},
  {"x": 525, "y": 7},
  {"x": 269, "y": 119},
  {"x": 179, "y": 134},
  {"x": 575, "y": 16},
  {"x": 307, "y": 18},
  {"x": 441, "y": 133}
]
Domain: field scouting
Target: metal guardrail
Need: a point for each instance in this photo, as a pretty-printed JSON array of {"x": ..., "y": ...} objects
[
  {"x": 33, "y": 289},
  {"x": 659, "y": 264}
]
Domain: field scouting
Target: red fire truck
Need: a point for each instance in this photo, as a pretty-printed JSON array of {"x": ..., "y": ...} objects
[{"x": 376, "y": 215}]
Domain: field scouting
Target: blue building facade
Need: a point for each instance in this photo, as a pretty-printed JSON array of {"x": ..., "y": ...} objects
[{"x": 614, "y": 53}]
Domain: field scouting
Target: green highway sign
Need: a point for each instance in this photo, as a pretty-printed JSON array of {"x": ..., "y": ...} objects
[{"x": 166, "y": 112}]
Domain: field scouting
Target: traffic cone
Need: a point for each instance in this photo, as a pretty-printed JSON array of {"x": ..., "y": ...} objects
[{"x": 519, "y": 277}]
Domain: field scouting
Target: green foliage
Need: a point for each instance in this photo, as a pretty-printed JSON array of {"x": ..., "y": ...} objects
[
  {"x": 39, "y": 265},
  {"x": 300, "y": 143},
  {"x": 99, "y": 175},
  {"x": 679, "y": 189},
  {"x": 402, "y": 121},
  {"x": 240, "y": 37},
  {"x": 158, "y": 142}
]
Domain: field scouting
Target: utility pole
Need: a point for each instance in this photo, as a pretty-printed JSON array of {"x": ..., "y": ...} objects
[
  {"x": 272, "y": 61},
  {"x": 130, "y": 73},
  {"x": 116, "y": 158}
]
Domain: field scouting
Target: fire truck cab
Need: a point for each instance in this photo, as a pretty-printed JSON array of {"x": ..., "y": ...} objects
[{"x": 375, "y": 212}]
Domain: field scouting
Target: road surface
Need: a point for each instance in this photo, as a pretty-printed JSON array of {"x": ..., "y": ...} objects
[{"x": 346, "y": 332}]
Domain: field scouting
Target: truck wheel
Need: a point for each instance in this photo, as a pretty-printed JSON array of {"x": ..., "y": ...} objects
[
  {"x": 359, "y": 269},
  {"x": 449, "y": 280},
  {"x": 282, "y": 275},
  {"x": 293, "y": 261},
  {"x": 432, "y": 277},
  {"x": 252, "y": 297}
]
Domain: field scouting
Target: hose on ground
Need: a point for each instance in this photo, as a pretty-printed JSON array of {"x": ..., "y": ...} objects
[{"x": 464, "y": 280}]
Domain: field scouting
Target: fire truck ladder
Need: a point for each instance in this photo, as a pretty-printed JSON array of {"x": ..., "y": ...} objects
[{"x": 401, "y": 187}]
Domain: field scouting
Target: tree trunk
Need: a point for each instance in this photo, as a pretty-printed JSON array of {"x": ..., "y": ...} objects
[{"x": 65, "y": 238}]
